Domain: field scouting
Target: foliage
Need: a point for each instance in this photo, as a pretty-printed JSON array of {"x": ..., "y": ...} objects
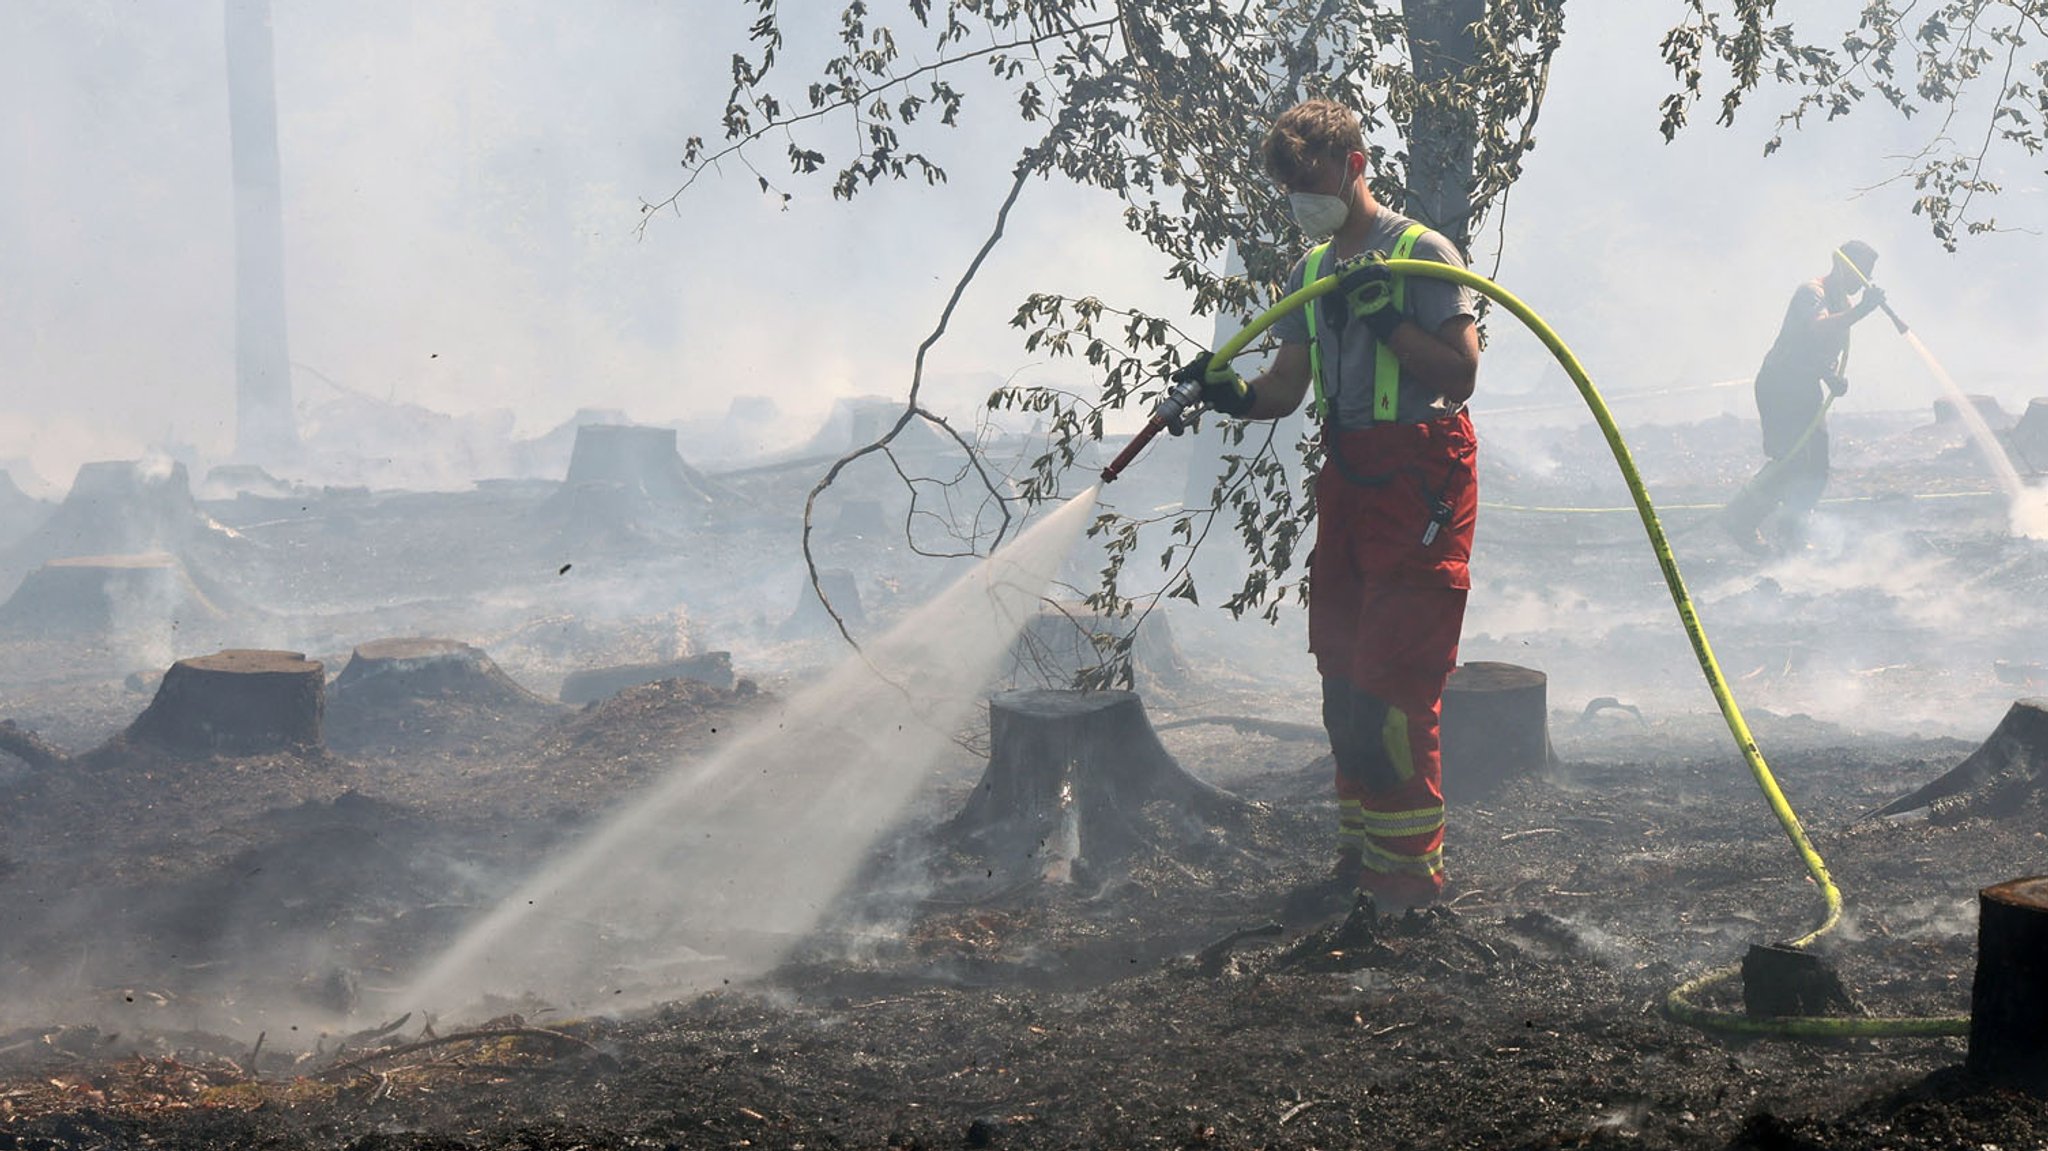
[
  {"x": 1955, "y": 60},
  {"x": 1160, "y": 105}
]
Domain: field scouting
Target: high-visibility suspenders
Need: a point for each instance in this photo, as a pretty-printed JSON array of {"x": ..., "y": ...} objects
[{"x": 1386, "y": 371}]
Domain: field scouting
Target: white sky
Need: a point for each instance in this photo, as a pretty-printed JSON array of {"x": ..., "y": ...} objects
[{"x": 462, "y": 183}]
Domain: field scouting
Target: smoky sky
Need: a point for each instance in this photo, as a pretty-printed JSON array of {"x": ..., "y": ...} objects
[{"x": 462, "y": 191}]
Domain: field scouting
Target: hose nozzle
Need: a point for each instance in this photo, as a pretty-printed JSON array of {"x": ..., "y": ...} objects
[{"x": 1170, "y": 413}]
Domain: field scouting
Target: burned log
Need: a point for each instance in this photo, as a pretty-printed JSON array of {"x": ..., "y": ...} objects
[
  {"x": 28, "y": 747},
  {"x": 2005, "y": 770},
  {"x": 240, "y": 702},
  {"x": 1496, "y": 727},
  {"x": 2009, "y": 1000},
  {"x": 1069, "y": 777}
]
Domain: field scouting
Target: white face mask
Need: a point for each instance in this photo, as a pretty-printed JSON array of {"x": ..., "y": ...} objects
[{"x": 1318, "y": 214}]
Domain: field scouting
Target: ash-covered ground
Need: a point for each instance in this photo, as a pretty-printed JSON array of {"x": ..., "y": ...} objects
[{"x": 208, "y": 950}]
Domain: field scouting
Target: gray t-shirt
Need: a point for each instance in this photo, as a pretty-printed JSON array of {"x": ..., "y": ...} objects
[
  {"x": 1804, "y": 354},
  {"x": 1348, "y": 350}
]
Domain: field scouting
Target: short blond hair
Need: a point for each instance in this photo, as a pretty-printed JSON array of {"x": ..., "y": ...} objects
[{"x": 1309, "y": 137}]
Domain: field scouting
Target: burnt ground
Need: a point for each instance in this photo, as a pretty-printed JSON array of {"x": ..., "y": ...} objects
[
  {"x": 1011, "y": 1012},
  {"x": 198, "y": 952}
]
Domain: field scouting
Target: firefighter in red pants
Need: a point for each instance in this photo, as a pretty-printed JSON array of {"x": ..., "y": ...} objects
[{"x": 1391, "y": 361}]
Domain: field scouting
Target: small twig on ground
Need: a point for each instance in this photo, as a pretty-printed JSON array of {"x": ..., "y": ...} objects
[
  {"x": 1288, "y": 1115},
  {"x": 1511, "y": 836},
  {"x": 1393, "y": 1027},
  {"x": 256, "y": 1050}
]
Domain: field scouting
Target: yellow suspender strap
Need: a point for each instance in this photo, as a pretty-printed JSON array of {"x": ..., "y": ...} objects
[
  {"x": 1309, "y": 275},
  {"x": 1386, "y": 371}
]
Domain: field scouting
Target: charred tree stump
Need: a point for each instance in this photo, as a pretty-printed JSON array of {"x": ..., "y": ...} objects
[
  {"x": 1068, "y": 778},
  {"x": 2009, "y": 1001},
  {"x": 1778, "y": 979},
  {"x": 644, "y": 460},
  {"x": 1496, "y": 727},
  {"x": 404, "y": 691},
  {"x": 810, "y": 617},
  {"x": 2006, "y": 768},
  {"x": 237, "y": 701},
  {"x": 85, "y": 595},
  {"x": 419, "y": 668}
]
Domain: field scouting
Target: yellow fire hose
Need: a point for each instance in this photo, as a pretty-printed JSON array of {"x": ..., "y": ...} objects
[{"x": 1681, "y": 1003}]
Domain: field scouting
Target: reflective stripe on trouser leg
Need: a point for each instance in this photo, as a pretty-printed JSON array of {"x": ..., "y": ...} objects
[
  {"x": 1350, "y": 828},
  {"x": 1401, "y": 812}
]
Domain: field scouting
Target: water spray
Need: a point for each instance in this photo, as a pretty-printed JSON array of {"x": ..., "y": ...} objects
[{"x": 1679, "y": 1004}]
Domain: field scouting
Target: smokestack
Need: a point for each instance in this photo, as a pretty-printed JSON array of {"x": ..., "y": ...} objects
[{"x": 264, "y": 425}]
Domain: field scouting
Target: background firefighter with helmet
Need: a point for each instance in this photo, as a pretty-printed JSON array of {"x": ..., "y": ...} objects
[
  {"x": 1391, "y": 361},
  {"x": 1803, "y": 372}
]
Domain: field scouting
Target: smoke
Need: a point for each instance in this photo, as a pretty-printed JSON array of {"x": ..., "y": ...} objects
[{"x": 726, "y": 863}]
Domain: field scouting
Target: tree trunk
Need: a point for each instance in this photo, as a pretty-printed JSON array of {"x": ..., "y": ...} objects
[
  {"x": 1443, "y": 135},
  {"x": 2006, "y": 769},
  {"x": 264, "y": 426},
  {"x": 1496, "y": 727},
  {"x": 2009, "y": 1001},
  {"x": 238, "y": 702},
  {"x": 1069, "y": 774}
]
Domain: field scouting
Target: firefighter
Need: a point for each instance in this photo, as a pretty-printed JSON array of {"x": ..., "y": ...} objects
[
  {"x": 1807, "y": 363},
  {"x": 1391, "y": 361}
]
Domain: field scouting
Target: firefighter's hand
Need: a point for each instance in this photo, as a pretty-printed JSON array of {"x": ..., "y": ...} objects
[
  {"x": 1220, "y": 387},
  {"x": 1873, "y": 299},
  {"x": 1368, "y": 288},
  {"x": 1838, "y": 385}
]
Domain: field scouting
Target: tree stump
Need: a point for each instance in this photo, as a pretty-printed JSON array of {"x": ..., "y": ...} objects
[
  {"x": 2005, "y": 770},
  {"x": 810, "y": 618},
  {"x": 121, "y": 507},
  {"x": 642, "y": 459},
  {"x": 98, "y": 594},
  {"x": 1782, "y": 980},
  {"x": 2029, "y": 437},
  {"x": 1987, "y": 408},
  {"x": 404, "y": 690},
  {"x": 1496, "y": 727},
  {"x": 2009, "y": 1001},
  {"x": 1068, "y": 777},
  {"x": 593, "y": 684},
  {"x": 236, "y": 701}
]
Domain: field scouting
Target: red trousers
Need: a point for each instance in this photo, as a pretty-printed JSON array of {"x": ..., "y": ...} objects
[{"x": 1395, "y": 509}]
